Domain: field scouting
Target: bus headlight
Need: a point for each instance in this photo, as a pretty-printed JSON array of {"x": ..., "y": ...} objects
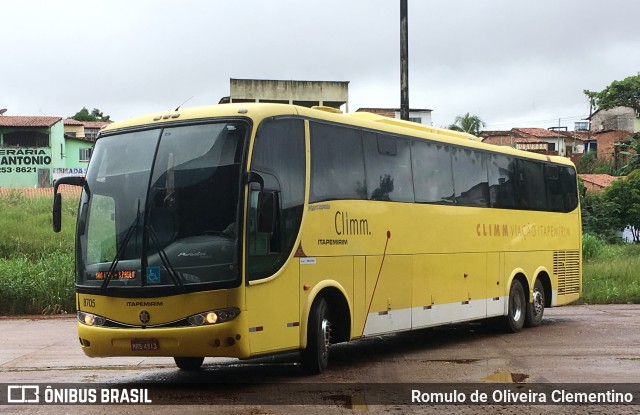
[
  {"x": 90, "y": 319},
  {"x": 213, "y": 317}
]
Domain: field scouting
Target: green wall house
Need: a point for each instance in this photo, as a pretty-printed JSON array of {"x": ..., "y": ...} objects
[
  {"x": 76, "y": 157},
  {"x": 34, "y": 151}
]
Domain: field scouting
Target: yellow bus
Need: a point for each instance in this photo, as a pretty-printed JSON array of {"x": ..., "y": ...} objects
[{"x": 244, "y": 230}]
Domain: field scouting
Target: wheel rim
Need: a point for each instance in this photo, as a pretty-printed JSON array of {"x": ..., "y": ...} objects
[
  {"x": 326, "y": 337},
  {"x": 538, "y": 302},
  {"x": 516, "y": 308}
]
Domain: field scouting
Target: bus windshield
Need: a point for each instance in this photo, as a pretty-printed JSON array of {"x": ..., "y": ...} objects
[{"x": 160, "y": 209}]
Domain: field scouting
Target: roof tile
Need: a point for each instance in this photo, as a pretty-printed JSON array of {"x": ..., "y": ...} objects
[
  {"x": 602, "y": 180},
  {"x": 27, "y": 121},
  {"x": 536, "y": 132}
]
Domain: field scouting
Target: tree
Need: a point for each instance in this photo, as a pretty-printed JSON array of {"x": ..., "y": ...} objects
[
  {"x": 586, "y": 164},
  {"x": 625, "y": 93},
  {"x": 626, "y": 195},
  {"x": 100, "y": 116},
  {"x": 631, "y": 151},
  {"x": 618, "y": 207},
  {"x": 589, "y": 164},
  {"x": 468, "y": 123},
  {"x": 95, "y": 115},
  {"x": 600, "y": 216}
]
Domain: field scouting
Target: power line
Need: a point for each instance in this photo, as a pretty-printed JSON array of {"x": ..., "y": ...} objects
[{"x": 547, "y": 121}]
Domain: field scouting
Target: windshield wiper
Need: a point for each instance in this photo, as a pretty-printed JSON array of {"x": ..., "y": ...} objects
[
  {"x": 124, "y": 244},
  {"x": 116, "y": 259},
  {"x": 175, "y": 276}
]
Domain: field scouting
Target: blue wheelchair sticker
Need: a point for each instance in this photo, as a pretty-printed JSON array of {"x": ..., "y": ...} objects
[{"x": 153, "y": 275}]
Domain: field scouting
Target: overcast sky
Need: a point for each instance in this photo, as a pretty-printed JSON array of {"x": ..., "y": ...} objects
[{"x": 513, "y": 63}]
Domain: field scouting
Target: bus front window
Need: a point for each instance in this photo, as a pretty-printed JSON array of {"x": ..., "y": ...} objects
[{"x": 162, "y": 208}]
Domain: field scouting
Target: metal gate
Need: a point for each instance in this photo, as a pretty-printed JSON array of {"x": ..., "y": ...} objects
[{"x": 44, "y": 178}]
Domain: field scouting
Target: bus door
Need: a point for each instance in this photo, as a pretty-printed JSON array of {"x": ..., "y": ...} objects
[{"x": 274, "y": 214}]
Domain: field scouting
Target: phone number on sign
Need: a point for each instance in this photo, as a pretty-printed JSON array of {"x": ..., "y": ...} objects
[{"x": 18, "y": 170}]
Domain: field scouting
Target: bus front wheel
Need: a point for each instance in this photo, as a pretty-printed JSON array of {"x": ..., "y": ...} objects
[
  {"x": 514, "y": 321},
  {"x": 189, "y": 363},
  {"x": 315, "y": 357}
]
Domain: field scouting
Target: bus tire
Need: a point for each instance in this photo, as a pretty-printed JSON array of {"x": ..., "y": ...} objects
[
  {"x": 315, "y": 357},
  {"x": 535, "y": 309},
  {"x": 189, "y": 363},
  {"x": 514, "y": 320}
]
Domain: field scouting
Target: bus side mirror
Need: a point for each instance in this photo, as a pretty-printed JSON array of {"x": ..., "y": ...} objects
[
  {"x": 253, "y": 177},
  {"x": 57, "y": 212},
  {"x": 267, "y": 210},
  {"x": 57, "y": 198}
]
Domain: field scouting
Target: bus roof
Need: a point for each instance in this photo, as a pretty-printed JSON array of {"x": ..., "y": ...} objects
[{"x": 259, "y": 111}]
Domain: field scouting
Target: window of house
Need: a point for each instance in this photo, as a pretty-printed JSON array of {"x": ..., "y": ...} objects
[
  {"x": 26, "y": 139},
  {"x": 91, "y": 133},
  {"x": 85, "y": 154}
]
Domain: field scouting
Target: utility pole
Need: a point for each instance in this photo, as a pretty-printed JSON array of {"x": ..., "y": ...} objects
[{"x": 404, "y": 61}]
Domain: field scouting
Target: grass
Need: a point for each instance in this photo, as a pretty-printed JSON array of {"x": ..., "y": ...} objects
[
  {"x": 27, "y": 227},
  {"x": 611, "y": 273},
  {"x": 37, "y": 265},
  {"x": 41, "y": 286}
]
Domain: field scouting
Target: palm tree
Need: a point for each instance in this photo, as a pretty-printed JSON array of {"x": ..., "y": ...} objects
[{"x": 468, "y": 123}]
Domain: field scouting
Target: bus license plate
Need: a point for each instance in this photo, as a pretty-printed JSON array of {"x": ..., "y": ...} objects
[{"x": 145, "y": 344}]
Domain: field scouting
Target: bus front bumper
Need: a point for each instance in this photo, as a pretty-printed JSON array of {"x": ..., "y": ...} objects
[{"x": 218, "y": 340}]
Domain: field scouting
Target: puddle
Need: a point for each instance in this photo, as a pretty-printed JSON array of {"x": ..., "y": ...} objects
[
  {"x": 462, "y": 361},
  {"x": 454, "y": 361},
  {"x": 506, "y": 377}
]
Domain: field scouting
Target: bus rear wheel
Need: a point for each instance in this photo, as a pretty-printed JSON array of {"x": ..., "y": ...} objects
[
  {"x": 535, "y": 309},
  {"x": 514, "y": 320},
  {"x": 189, "y": 363},
  {"x": 315, "y": 357}
]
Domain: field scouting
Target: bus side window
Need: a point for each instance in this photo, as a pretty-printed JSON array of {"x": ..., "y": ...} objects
[
  {"x": 569, "y": 188},
  {"x": 432, "y": 174},
  {"x": 470, "y": 179},
  {"x": 531, "y": 185},
  {"x": 262, "y": 243},
  {"x": 554, "y": 188},
  {"x": 337, "y": 164},
  {"x": 388, "y": 168},
  {"x": 502, "y": 179}
]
